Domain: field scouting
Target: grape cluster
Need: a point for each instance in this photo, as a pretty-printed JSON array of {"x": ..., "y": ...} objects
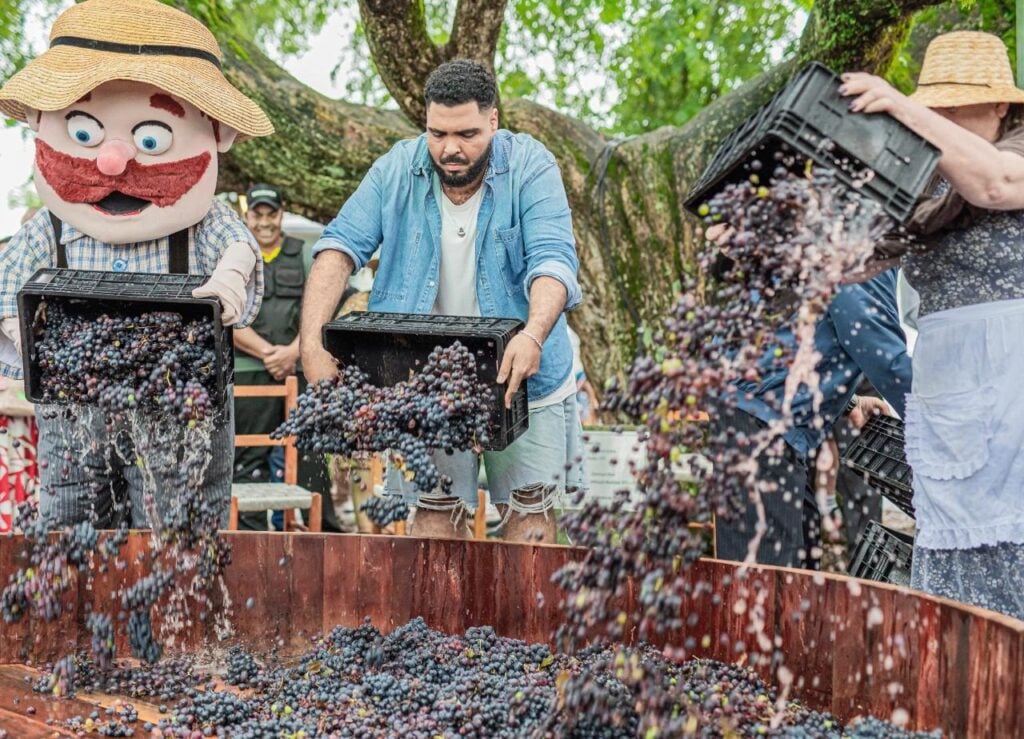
[
  {"x": 157, "y": 361},
  {"x": 162, "y": 681},
  {"x": 421, "y": 683},
  {"x": 243, "y": 670},
  {"x": 38, "y": 588},
  {"x": 115, "y": 728},
  {"x": 384, "y": 510},
  {"x": 115, "y": 721},
  {"x": 102, "y": 642},
  {"x": 140, "y": 637},
  {"x": 212, "y": 708},
  {"x": 59, "y": 680},
  {"x": 144, "y": 592},
  {"x": 89, "y": 725},
  {"x": 442, "y": 406}
]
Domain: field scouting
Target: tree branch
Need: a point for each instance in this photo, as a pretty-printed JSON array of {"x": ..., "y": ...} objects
[
  {"x": 858, "y": 35},
  {"x": 475, "y": 31},
  {"x": 321, "y": 149},
  {"x": 396, "y": 31}
]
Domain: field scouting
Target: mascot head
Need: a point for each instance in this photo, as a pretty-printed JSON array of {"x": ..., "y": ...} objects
[{"x": 130, "y": 110}]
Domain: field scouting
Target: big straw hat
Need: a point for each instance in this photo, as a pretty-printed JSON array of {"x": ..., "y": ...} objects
[
  {"x": 966, "y": 68},
  {"x": 99, "y": 41}
]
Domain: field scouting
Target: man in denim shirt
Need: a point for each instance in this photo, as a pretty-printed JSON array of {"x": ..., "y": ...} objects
[{"x": 471, "y": 220}]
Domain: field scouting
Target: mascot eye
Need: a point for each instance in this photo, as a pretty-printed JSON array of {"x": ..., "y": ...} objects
[
  {"x": 84, "y": 129},
  {"x": 152, "y": 137}
]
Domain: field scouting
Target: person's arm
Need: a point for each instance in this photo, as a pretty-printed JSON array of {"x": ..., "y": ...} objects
[
  {"x": 546, "y": 223},
  {"x": 866, "y": 320},
  {"x": 27, "y": 251},
  {"x": 345, "y": 246},
  {"x": 229, "y": 255},
  {"x": 984, "y": 175},
  {"x": 592, "y": 414},
  {"x": 719, "y": 234},
  {"x": 872, "y": 269},
  {"x": 251, "y": 343},
  {"x": 548, "y": 298},
  {"x": 551, "y": 266},
  {"x": 324, "y": 286}
]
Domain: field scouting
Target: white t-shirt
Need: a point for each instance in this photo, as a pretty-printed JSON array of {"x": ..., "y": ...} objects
[
  {"x": 456, "y": 292},
  {"x": 564, "y": 391}
]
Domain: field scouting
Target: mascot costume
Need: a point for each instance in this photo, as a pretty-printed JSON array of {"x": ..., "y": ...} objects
[{"x": 130, "y": 111}]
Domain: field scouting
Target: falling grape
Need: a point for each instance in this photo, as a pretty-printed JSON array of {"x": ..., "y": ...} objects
[{"x": 443, "y": 406}]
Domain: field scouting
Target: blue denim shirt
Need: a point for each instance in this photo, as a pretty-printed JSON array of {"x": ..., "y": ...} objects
[
  {"x": 524, "y": 231},
  {"x": 859, "y": 336}
]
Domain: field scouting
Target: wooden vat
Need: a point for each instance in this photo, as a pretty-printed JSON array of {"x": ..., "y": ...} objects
[{"x": 853, "y": 647}]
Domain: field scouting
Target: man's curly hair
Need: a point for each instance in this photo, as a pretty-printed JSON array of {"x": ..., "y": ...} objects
[{"x": 461, "y": 81}]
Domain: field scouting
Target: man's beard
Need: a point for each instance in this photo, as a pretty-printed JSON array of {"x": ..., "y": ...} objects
[{"x": 461, "y": 179}]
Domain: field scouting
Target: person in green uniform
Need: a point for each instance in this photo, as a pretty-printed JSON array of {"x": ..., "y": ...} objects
[{"x": 268, "y": 351}]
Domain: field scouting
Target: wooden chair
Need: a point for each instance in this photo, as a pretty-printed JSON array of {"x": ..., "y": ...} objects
[{"x": 270, "y": 496}]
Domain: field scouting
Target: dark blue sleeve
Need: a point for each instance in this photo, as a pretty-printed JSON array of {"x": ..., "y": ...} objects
[{"x": 866, "y": 320}]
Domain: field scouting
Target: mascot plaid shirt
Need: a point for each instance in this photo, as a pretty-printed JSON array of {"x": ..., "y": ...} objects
[{"x": 33, "y": 248}]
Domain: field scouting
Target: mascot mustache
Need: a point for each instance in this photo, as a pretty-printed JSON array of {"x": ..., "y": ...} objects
[{"x": 78, "y": 180}]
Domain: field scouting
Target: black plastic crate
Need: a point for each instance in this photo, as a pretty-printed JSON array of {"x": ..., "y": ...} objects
[
  {"x": 883, "y": 555},
  {"x": 388, "y": 346},
  {"x": 809, "y": 119},
  {"x": 878, "y": 454},
  {"x": 119, "y": 293}
]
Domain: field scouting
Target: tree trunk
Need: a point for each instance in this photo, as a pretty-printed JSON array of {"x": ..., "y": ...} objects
[
  {"x": 404, "y": 54},
  {"x": 633, "y": 236}
]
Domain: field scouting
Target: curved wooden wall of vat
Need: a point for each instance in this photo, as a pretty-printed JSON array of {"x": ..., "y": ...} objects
[{"x": 855, "y": 647}]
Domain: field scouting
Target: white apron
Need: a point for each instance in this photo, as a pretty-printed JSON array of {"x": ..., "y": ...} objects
[{"x": 965, "y": 426}]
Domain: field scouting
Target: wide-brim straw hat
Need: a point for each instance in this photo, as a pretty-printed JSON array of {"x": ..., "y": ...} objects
[
  {"x": 146, "y": 41},
  {"x": 966, "y": 68}
]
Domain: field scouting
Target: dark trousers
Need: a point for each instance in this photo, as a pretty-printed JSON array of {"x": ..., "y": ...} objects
[
  {"x": 261, "y": 416},
  {"x": 109, "y": 474},
  {"x": 793, "y": 533},
  {"x": 859, "y": 504}
]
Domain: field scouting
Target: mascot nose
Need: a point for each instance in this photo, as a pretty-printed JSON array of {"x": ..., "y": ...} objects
[{"x": 114, "y": 157}]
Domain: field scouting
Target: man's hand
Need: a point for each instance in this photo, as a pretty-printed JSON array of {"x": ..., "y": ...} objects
[
  {"x": 872, "y": 94},
  {"x": 228, "y": 281},
  {"x": 867, "y": 407},
  {"x": 318, "y": 364},
  {"x": 719, "y": 233},
  {"x": 11, "y": 328},
  {"x": 521, "y": 360},
  {"x": 280, "y": 360}
]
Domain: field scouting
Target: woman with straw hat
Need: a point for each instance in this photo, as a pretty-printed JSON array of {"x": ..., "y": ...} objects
[
  {"x": 131, "y": 112},
  {"x": 965, "y": 257}
]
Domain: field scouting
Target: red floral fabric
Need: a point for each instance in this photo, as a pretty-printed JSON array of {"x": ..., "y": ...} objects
[{"x": 19, "y": 472}]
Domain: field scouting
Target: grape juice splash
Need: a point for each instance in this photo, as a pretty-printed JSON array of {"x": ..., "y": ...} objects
[
  {"x": 793, "y": 242},
  {"x": 133, "y": 392}
]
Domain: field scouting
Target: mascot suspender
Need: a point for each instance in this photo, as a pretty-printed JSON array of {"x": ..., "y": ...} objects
[{"x": 177, "y": 248}]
